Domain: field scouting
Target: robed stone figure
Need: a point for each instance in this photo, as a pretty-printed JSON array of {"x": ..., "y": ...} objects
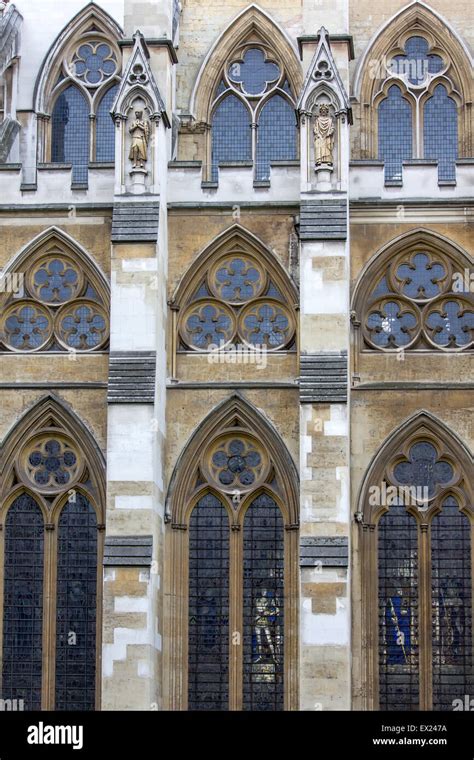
[
  {"x": 140, "y": 132},
  {"x": 323, "y": 132}
]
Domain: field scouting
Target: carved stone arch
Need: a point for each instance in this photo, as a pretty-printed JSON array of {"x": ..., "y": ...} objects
[
  {"x": 234, "y": 234},
  {"x": 369, "y": 299},
  {"x": 421, "y": 425},
  {"x": 89, "y": 287},
  {"x": 415, "y": 18},
  {"x": 419, "y": 237},
  {"x": 235, "y": 412},
  {"x": 52, "y": 414},
  {"x": 252, "y": 22},
  {"x": 91, "y": 18},
  {"x": 38, "y": 244}
]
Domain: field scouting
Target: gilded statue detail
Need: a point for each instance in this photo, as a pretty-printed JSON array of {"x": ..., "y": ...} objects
[{"x": 323, "y": 132}]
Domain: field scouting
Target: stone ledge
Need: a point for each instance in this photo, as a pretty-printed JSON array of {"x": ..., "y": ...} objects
[{"x": 128, "y": 551}]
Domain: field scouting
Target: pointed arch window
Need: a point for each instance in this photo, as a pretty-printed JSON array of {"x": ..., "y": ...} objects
[
  {"x": 235, "y": 534},
  {"x": 253, "y": 112},
  {"x": 418, "y": 514},
  {"x": 418, "y": 108},
  {"x": 416, "y": 296},
  {"x": 62, "y": 305},
  {"x": 76, "y": 87},
  {"x": 51, "y": 514}
]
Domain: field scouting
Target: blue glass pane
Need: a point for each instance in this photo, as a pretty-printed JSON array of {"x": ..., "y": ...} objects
[
  {"x": 398, "y": 610},
  {"x": 391, "y": 326},
  {"x": 71, "y": 133},
  {"x": 263, "y": 665},
  {"x": 421, "y": 277},
  {"x": 451, "y": 606},
  {"x": 440, "y": 132},
  {"x": 276, "y": 135},
  {"x": 208, "y": 643},
  {"x": 23, "y": 603},
  {"x": 231, "y": 133},
  {"x": 253, "y": 72},
  {"x": 416, "y": 64},
  {"x": 451, "y": 325},
  {"x": 55, "y": 281},
  {"x": 105, "y": 128},
  {"x": 395, "y": 133},
  {"x": 76, "y": 606}
]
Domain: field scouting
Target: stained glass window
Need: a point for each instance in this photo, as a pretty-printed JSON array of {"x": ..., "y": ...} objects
[
  {"x": 276, "y": 135},
  {"x": 451, "y": 581},
  {"x": 208, "y": 643},
  {"x": 23, "y": 603},
  {"x": 231, "y": 134},
  {"x": 398, "y": 610},
  {"x": 76, "y": 606},
  {"x": 263, "y": 687},
  {"x": 440, "y": 132},
  {"x": 105, "y": 128},
  {"x": 395, "y": 133}
]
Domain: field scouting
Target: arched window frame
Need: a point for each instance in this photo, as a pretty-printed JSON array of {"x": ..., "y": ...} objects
[
  {"x": 51, "y": 416},
  {"x": 240, "y": 241},
  {"x": 92, "y": 24},
  {"x": 54, "y": 242},
  {"x": 233, "y": 417},
  {"x": 457, "y": 262},
  {"x": 373, "y": 77},
  {"x": 252, "y": 27},
  {"x": 421, "y": 427}
]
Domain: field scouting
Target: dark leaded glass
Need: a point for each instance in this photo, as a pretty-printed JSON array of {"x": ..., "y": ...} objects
[
  {"x": 71, "y": 132},
  {"x": 423, "y": 470},
  {"x": 451, "y": 606},
  {"x": 276, "y": 135},
  {"x": 395, "y": 133},
  {"x": 237, "y": 280},
  {"x": 23, "y": 603},
  {"x": 263, "y": 671},
  {"x": 105, "y": 129},
  {"x": 398, "y": 611},
  {"x": 231, "y": 133},
  {"x": 440, "y": 132},
  {"x": 253, "y": 72},
  {"x": 416, "y": 64},
  {"x": 208, "y": 643},
  {"x": 76, "y": 606},
  {"x": 55, "y": 281}
]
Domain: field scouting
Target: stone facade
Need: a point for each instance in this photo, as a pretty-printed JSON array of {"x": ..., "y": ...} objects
[{"x": 330, "y": 402}]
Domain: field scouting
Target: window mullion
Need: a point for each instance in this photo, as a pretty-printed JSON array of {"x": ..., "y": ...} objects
[
  {"x": 49, "y": 616},
  {"x": 424, "y": 617}
]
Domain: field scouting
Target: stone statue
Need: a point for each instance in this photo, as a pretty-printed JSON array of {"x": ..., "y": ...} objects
[
  {"x": 323, "y": 132},
  {"x": 140, "y": 131}
]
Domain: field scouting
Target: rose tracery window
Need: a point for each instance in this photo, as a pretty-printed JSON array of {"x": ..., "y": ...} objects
[
  {"x": 422, "y": 541},
  {"x": 418, "y": 109},
  {"x": 237, "y": 303},
  {"x": 82, "y": 129},
  {"x": 61, "y": 308},
  {"x": 50, "y": 587},
  {"x": 414, "y": 305},
  {"x": 253, "y": 116}
]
